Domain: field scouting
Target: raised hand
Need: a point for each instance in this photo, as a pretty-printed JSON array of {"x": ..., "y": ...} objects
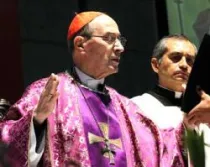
[
  {"x": 201, "y": 112},
  {"x": 47, "y": 100}
]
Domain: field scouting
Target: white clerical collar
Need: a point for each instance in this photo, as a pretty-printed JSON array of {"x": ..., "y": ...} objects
[
  {"x": 87, "y": 80},
  {"x": 177, "y": 95}
]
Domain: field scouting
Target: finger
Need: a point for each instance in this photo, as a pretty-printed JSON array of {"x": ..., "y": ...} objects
[
  {"x": 52, "y": 84},
  {"x": 51, "y": 77},
  {"x": 197, "y": 123},
  {"x": 203, "y": 95},
  {"x": 193, "y": 120},
  {"x": 193, "y": 116},
  {"x": 194, "y": 111},
  {"x": 47, "y": 106},
  {"x": 53, "y": 97},
  {"x": 47, "y": 93}
]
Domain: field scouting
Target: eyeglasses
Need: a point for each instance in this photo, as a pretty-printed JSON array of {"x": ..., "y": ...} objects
[{"x": 112, "y": 38}]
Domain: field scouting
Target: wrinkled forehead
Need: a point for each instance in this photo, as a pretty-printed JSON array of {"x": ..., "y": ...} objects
[
  {"x": 181, "y": 46},
  {"x": 104, "y": 24}
]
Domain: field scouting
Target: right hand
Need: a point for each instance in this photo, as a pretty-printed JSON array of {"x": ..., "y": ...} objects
[
  {"x": 201, "y": 112},
  {"x": 47, "y": 100}
]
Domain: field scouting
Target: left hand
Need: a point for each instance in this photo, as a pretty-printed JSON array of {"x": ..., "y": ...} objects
[{"x": 201, "y": 112}]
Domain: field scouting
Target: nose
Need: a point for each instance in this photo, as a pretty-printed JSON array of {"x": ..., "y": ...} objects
[
  {"x": 183, "y": 63},
  {"x": 118, "y": 47}
]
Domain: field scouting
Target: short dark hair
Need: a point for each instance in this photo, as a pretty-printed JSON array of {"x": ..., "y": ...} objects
[{"x": 161, "y": 47}]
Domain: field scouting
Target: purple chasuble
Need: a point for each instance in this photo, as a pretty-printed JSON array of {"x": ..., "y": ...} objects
[
  {"x": 94, "y": 112},
  {"x": 67, "y": 139},
  {"x": 172, "y": 148}
]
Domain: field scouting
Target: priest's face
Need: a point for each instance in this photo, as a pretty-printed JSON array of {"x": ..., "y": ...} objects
[
  {"x": 103, "y": 50},
  {"x": 174, "y": 67}
]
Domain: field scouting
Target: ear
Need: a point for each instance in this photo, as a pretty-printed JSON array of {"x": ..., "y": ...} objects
[
  {"x": 155, "y": 64},
  {"x": 78, "y": 42}
]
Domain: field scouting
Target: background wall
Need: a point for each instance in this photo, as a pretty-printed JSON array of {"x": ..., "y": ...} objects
[
  {"x": 188, "y": 17},
  {"x": 43, "y": 27},
  {"x": 11, "y": 78}
]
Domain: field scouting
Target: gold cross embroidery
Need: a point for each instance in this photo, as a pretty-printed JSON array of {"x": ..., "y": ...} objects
[{"x": 105, "y": 138}]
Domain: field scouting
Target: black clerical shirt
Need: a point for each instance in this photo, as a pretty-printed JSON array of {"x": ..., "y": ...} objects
[{"x": 166, "y": 96}]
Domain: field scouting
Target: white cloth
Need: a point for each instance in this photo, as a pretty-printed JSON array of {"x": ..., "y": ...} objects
[
  {"x": 87, "y": 80},
  {"x": 34, "y": 157},
  {"x": 162, "y": 116},
  {"x": 168, "y": 116}
]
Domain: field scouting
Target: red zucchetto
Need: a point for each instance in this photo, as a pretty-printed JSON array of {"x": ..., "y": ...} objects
[{"x": 80, "y": 20}]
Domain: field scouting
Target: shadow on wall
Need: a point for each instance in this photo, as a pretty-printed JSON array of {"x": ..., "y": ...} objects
[{"x": 202, "y": 24}]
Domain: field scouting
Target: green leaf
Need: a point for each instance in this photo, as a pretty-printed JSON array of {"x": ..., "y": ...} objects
[{"x": 195, "y": 145}]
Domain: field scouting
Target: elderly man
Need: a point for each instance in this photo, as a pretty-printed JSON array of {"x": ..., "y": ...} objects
[
  {"x": 72, "y": 118},
  {"x": 172, "y": 61}
]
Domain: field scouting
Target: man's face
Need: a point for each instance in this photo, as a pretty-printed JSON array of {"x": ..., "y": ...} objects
[
  {"x": 103, "y": 56},
  {"x": 175, "y": 66}
]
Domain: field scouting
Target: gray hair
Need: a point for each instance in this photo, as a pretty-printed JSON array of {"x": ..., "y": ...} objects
[
  {"x": 161, "y": 47},
  {"x": 85, "y": 31}
]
